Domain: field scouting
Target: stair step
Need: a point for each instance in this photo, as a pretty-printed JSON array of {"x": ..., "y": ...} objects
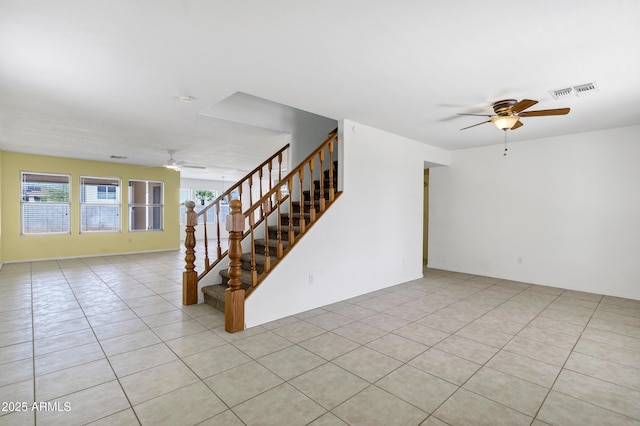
[
  {"x": 316, "y": 183},
  {"x": 286, "y": 219},
  {"x": 214, "y": 295},
  {"x": 260, "y": 258},
  {"x": 307, "y": 206},
  {"x": 273, "y": 245},
  {"x": 245, "y": 278},
  {"x": 285, "y": 229},
  {"x": 316, "y": 194},
  {"x": 273, "y": 232}
]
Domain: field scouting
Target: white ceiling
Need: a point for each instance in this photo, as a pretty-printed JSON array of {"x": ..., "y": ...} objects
[{"x": 90, "y": 79}]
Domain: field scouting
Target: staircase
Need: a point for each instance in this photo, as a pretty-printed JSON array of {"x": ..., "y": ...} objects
[
  {"x": 268, "y": 215},
  {"x": 301, "y": 216}
]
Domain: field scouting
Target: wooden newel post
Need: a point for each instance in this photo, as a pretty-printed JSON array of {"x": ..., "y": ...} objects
[
  {"x": 190, "y": 276},
  {"x": 234, "y": 295}
]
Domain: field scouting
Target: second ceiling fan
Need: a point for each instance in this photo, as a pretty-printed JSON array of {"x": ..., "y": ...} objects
[
  {"x": 176, "y": 165},
  {"x": 508, "y": 113}
]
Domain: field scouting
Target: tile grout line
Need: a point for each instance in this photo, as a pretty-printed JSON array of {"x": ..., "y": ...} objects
[
  {"x": 103, "y": 352},
  {"x": 486, "y": 362},
  {"x": 566, "y": 360},
  {"x": 33, "y": 343},
  {"x": 201, "y": 380}
]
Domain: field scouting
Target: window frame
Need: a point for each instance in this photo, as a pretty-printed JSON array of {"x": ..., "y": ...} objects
[
  {"x": 101, "y": 201},
  {"x": 148, "y": 206},
  {"x": 25, "y": 202}
]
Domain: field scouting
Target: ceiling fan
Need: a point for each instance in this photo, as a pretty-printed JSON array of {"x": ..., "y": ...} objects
[
  {"x": 176, "y": 165},
  {"x": 508, "y": 113}
]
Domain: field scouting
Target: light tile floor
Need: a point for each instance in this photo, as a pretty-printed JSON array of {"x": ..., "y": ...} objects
[{"x": 106, "y": 341}]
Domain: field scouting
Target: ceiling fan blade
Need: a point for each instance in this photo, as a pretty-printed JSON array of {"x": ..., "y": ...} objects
[
  {"x": 193, "y": 166},
  {"x": 543, "y": 112},
  {"x": 522, "y": 105},
  {"x": 468, "y": 127},
  {"x": 518, "y": 124},
  {"x": 477, "y": 115}
]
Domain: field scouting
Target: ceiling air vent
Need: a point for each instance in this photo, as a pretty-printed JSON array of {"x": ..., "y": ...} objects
[
  {"x": 562, "y": 93},
  {"x": 584, "y": 88},
  {"x": 578, "y": 90}
]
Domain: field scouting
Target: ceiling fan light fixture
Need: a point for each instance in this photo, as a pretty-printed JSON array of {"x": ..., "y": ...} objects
[{"x": 505, "y": 122}]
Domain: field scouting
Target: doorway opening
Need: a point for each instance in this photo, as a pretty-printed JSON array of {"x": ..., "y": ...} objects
[{"x": 425, "y": 220}]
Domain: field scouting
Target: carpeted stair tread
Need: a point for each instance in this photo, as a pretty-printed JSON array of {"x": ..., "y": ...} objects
[
  {"x": 214, "y": 295},
  {"x": 245, "y": 277},
  {"x": 246, "y": 258},
  {"x": 284, "y": 229},
  {"x": 273, "y": 243}
]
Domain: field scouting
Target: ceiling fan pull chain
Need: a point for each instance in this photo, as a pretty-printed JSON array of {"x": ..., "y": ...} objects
[{"x": 505, "y": 142}]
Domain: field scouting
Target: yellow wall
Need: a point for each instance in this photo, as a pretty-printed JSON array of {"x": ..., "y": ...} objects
[{"x": 14, "y": 246}]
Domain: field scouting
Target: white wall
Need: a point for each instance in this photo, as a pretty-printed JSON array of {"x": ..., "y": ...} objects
[
  {"x": 369, "y": 239},
  {"x": 308, "y": 132},
  {"x": 568, "y": 207}
]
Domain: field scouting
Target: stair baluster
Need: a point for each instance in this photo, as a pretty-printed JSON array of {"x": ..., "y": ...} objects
[
  {"x": 251, "y": 190},
  {"x": 280, "y": 250},
  {"x": 331, "y": 189},
  {"x": 219, "y": 248},
  {"x": 261, "y": 209},
  {"x": 270, "y": 183},
  {"x": 209, "y": 263},
  {"x": 321, "y": 180},
  {"x": 302, "y": 218},
  {"x": 290, "y": 191},
  {"x": 312, "y": 190},
  {"x": 254, "y": 270},
  {"x": 267, "y": 259},
  {"x": 206, "y": 242},
  {"x": 301, "y": 215}
]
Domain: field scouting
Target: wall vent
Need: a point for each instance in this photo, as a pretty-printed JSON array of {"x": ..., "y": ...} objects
[{"x": 578, "y": 90}]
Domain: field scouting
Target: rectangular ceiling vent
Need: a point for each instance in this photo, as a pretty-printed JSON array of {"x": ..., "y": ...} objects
[
  {"x": 562, "y": 93},
  {"x": 578, "y": 90},
  {"x": 585, "y": 88}
]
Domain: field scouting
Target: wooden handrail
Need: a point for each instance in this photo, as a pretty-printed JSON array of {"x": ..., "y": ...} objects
[
  {"x": 191, "y": 277},
  {"x": 276, "y": 201},
  {"x": 273, "y": 200},
  {"x": 247, "y": 177}
]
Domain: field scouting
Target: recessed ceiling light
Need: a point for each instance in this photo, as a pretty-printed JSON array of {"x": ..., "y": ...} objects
[{"x": 186, "y": 98}]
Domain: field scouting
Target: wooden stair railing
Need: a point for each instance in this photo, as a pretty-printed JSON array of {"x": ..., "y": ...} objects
[
  {"x": 278, "y": 237},
  {"x": 247, "y": 184}
]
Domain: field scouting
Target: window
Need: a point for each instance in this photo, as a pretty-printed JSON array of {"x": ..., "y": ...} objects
[
  {"x": 202, "y": 199},
  {"x": 145, "y": 205},
  {"x": 99, "y": 204},
  {"x": 106, "y": 192},
  {"x": 45, "y": 203}
]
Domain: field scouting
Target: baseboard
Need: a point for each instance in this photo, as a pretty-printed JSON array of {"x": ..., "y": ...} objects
[{"x": 87, "y": 256}]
